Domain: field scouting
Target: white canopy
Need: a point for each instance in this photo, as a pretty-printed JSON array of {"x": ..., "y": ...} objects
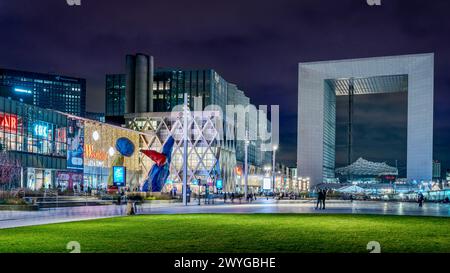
[{"x": 351, "y": 189}]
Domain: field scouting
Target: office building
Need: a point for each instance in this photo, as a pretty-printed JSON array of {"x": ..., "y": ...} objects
[
  {"x": 56, "y": 92},
  {"x": 436, "y": 169},
  {"x": 115, "y": 95},
  {"x": 321, "y": 82}
]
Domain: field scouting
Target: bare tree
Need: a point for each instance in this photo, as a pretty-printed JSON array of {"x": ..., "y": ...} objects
[{"x": 9, "y": 172}]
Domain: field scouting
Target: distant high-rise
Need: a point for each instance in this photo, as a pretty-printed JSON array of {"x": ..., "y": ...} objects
[
  {"x": 436, "y": 169},
  {"x": 115, "y": 95},
  {"x": 61, "y": 93}
]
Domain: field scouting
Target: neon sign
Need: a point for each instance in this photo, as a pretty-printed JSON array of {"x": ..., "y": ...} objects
[
  {"x": 41, "y": 130},
  {"x": 8, "y": 123}
]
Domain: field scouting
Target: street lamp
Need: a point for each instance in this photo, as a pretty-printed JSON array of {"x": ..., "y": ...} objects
[
  {"x": 247, "y": 142},
  {"x": 275, "y": 148}
]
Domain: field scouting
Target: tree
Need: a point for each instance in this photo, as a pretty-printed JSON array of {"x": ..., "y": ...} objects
[{"x": 9, "y": 172}]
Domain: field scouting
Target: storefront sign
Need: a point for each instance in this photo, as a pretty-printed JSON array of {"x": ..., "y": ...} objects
[
  {"x": 119, "y": 176},
  {"x": 90, "y": 153},
  {"x": 40, "y": 130},
  {"x": 8, "y": 123}
]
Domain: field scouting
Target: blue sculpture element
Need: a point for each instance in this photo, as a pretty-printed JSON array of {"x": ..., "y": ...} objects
[
  {"x": 159, "y": 173},
  {"x": 125, "y": 147}
]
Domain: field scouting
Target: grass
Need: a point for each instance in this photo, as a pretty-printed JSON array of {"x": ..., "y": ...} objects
[{"x": 231, "y": 233}]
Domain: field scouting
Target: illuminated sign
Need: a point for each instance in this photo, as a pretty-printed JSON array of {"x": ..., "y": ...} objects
[
  {"x": 219, "y": 184},
  {"x": 97, "y": 155},
  {"x": 119, "y": 176},
  {"x": 41, "y": 130},
  {"x": 23, "y": 91},
  {"x": 267, "y": 183},
  {"x": 8, "y": 123}
]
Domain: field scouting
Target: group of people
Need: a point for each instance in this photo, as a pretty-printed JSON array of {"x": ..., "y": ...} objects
[{"x": 321, "y": 199}]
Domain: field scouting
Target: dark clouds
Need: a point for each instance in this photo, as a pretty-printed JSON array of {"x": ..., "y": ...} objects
[{"x": 255, "y": 44}]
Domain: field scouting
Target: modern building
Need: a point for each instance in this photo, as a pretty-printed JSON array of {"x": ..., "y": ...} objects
[
  {"x": 56, "y": 92},
  {"x": 321, "y": 82},
  {"x": 205, "y": 90},
  {"x": 115, "y": 95},
  {"x": 32, "y": 144},
  {"x": 92, "y": 154},
  {"x": 46, "y": 148},
  {"x": 211, "y": 158},
  {"x": 437, "y": 170}
]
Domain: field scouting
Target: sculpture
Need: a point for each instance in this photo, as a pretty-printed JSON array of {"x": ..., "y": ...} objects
[{"x": 159, "y": 172}]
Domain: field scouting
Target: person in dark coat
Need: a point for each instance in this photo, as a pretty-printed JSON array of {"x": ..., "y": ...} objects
[
  {"x": 324, "y": 198},
  {"x": 420, "y": 199},
  {"x": 319, "y": 199}
]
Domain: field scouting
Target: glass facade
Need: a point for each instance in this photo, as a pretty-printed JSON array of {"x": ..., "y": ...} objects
[
  {"x": 35, "y": 138},
  {"x": 329, "y": 132},
  {"x": 61, "y": 93},
  {"x": 169, "y": 87},
  {"x": 115, "y": 95}
]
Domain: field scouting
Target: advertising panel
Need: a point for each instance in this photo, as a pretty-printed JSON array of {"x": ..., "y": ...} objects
[
  {"x": 119, "y": 176},
  {"x": 267, "y": 185},
  {"x": 75, "y": 143}
]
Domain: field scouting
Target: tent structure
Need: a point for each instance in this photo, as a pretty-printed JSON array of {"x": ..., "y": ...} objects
[
  {"x": 351, "y": 189},
  {"x": 367, "y": 168}
]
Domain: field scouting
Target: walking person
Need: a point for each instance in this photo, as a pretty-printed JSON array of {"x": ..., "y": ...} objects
[
  {"x": 319, "y": 199},
  {"x": 324, "y": 198},
  {"x": 224, "y": 197},
  {"x": 420, "y": 199}
]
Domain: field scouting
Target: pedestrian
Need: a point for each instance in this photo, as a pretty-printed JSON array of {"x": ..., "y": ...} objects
[
  {"x": 324, "y": 198},
  {"x": 232, "y": 197},
  {"x": 225, "y": 197},
  {"x": 319, "y": 199},
  {"x": 420, "y": 199}
]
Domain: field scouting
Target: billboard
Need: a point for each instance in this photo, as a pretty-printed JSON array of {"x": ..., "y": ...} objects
[
  {"x": 267, "y": 183},
  {"x": 119, "y": 176},
  {"x": 75, "y": 143}
]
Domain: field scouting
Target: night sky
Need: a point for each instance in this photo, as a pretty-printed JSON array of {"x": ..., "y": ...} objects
[{"x": 255, "y": 44}]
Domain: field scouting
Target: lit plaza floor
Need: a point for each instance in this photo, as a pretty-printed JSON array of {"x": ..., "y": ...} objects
[{"x": 10, "y": 219}]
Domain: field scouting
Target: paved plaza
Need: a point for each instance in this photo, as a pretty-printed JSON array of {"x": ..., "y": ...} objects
[{"x": 10, "y": 219}]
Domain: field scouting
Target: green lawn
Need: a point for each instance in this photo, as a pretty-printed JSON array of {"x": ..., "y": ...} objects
[{"x": 236, "y": 233}]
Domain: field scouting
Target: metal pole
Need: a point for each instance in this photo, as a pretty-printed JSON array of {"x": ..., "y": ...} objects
[
  {"x": 273, "y": 168},
  {"x": 185, "y": 148},
  {"x": 246, "y": 166}
]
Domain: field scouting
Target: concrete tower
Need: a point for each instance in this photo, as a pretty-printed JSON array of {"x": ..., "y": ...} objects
[{"x": 139, "y": 80}]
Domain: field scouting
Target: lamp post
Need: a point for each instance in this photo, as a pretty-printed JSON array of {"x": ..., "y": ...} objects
[
  {"x": 185, "y": 148},
  {"x": 275, "y": 148},
  {"x": 246, "y": 166}
]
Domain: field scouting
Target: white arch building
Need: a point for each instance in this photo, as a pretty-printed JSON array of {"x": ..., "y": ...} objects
[{"x": 321, "y": 82}]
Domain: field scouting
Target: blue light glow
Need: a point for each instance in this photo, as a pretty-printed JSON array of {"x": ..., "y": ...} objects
[{"x": 20, "y": 90}]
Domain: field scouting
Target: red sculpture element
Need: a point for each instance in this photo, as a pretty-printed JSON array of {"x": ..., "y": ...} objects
[{"x": 158, "y": 158}]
